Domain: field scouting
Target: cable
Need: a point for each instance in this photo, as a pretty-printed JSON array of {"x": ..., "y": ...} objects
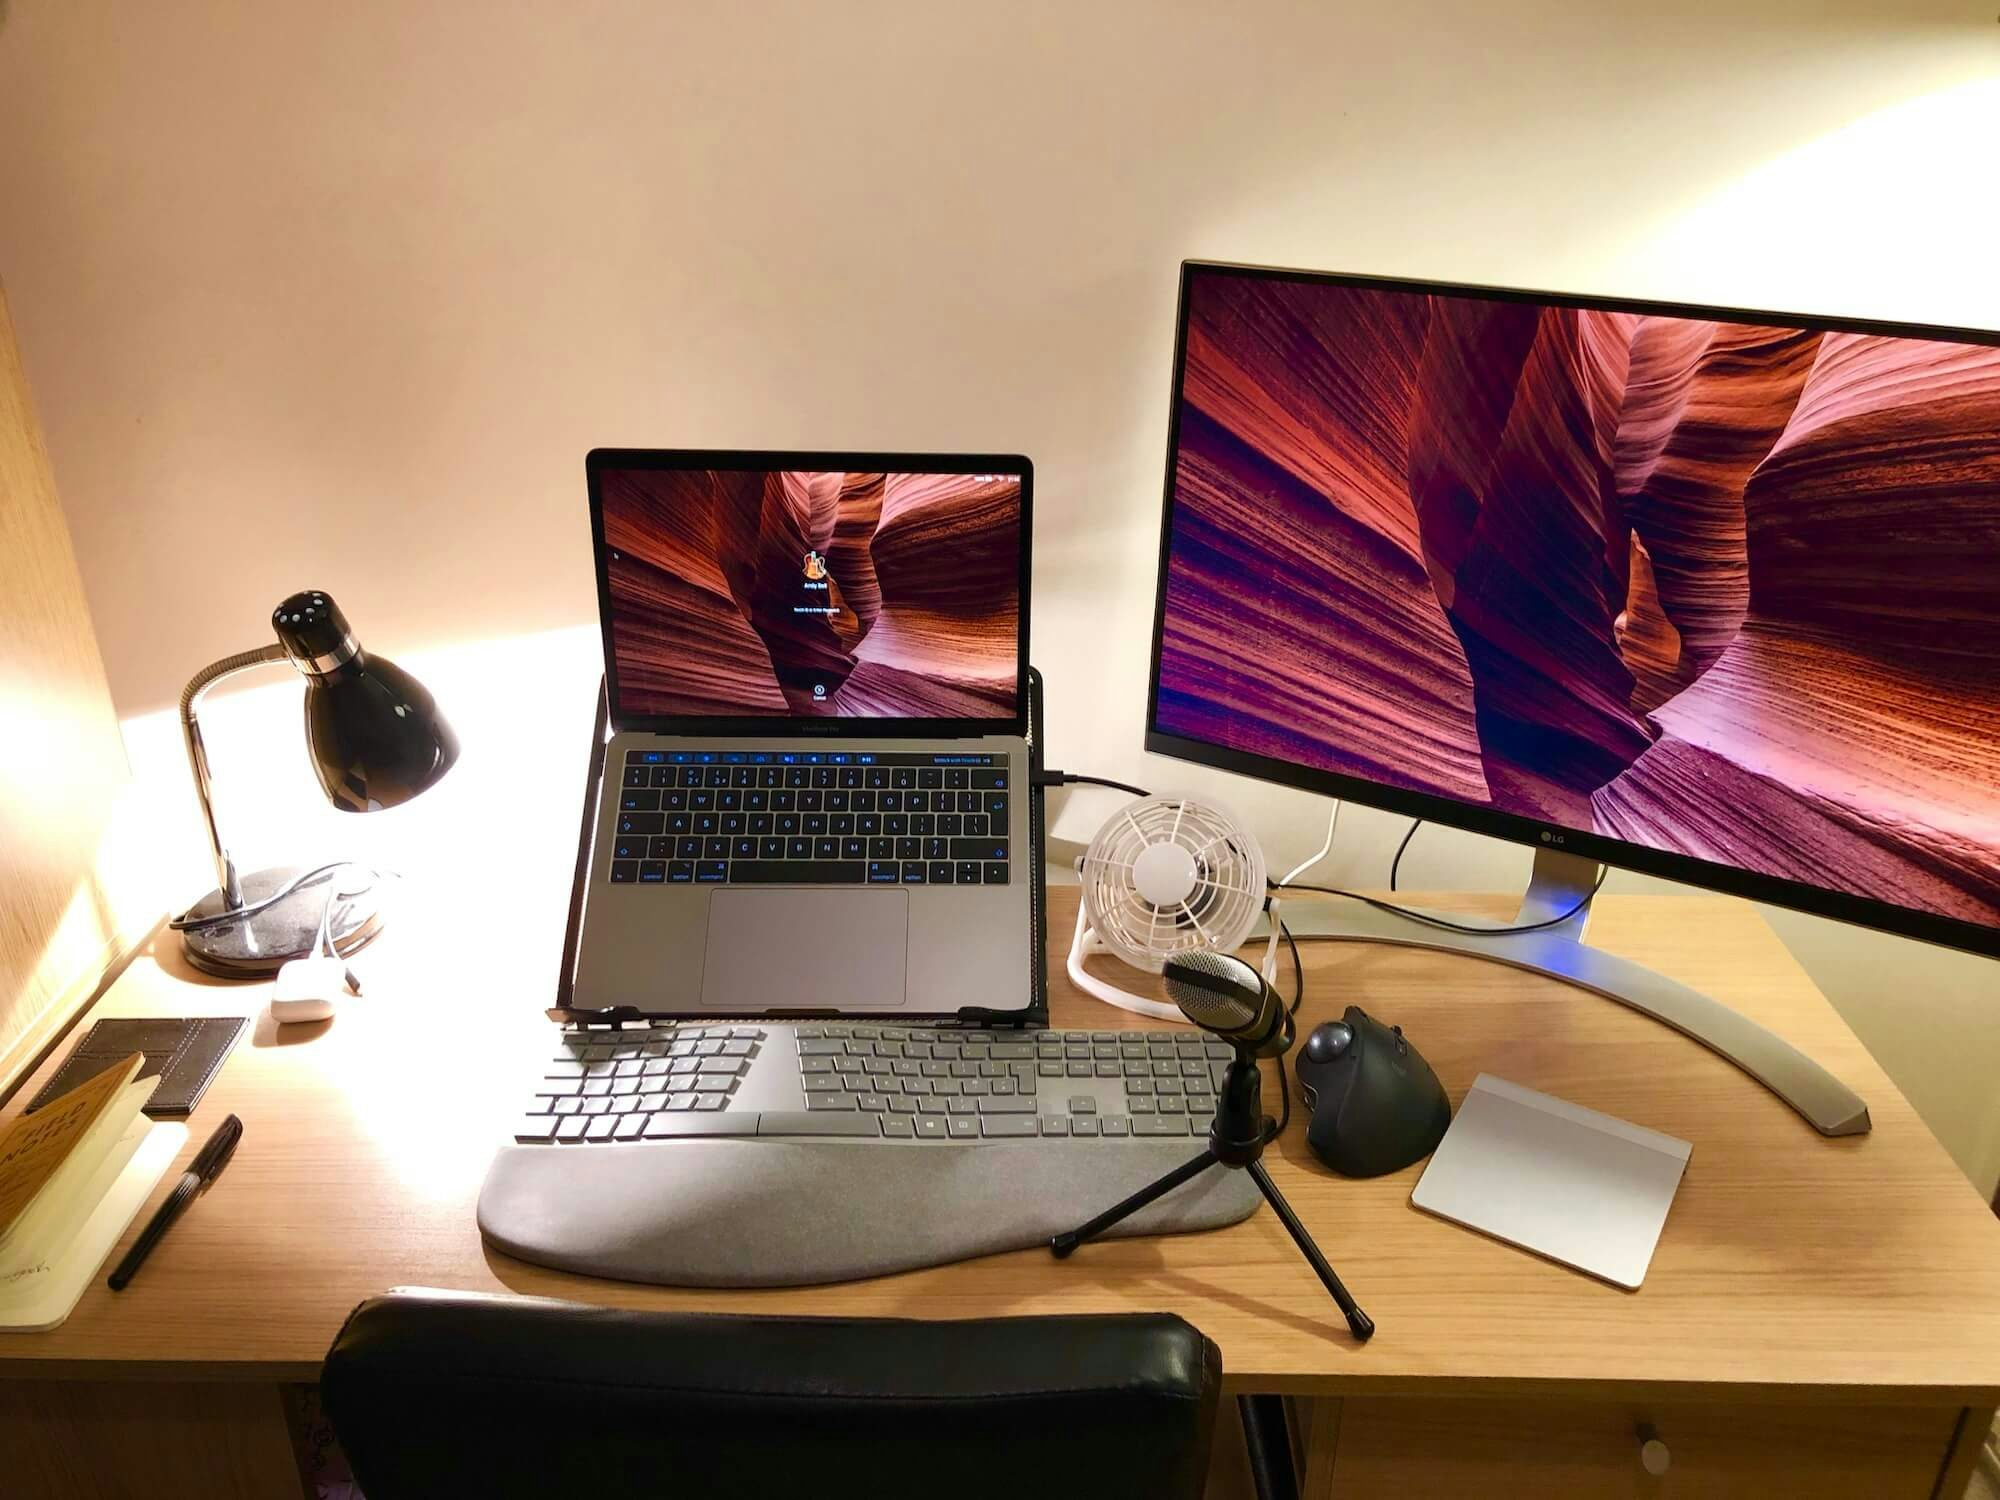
[
  {"x": 1298, "y": 994},
  {"x": 1326, "y": 848},
  {"x": 1068, "y": 778},
  {"x": 1397, "y": 863},
  {"x": 188, "y": 922},
  {"x": 1468, "y": 927}
]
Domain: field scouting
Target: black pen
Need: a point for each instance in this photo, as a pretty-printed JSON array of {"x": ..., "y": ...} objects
[{"x": 207, "y": 1167}]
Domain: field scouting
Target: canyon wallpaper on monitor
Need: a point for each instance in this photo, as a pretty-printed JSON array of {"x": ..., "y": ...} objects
[
  {"x": 1727, "y": 591},
  {"x": 739, "y": 593}
]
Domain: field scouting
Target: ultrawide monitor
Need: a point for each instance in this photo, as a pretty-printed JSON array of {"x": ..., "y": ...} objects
[{"x": 1706, "y": 593}]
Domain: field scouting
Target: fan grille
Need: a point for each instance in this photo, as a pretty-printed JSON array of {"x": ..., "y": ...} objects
[{"x": 1217, "y": 913}]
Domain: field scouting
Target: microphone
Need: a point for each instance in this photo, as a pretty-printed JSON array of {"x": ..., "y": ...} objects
[{"x": 1221, "y": 993}]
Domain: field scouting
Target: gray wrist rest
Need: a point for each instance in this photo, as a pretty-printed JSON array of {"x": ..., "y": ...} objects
[{"x": 748, "y": 1213}]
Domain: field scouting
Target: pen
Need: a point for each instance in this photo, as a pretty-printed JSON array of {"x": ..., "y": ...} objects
[{"x": 207, "y": 1166}]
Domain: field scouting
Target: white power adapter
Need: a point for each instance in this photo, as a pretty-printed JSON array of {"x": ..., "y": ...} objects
[{"x": 308, "y": 989}]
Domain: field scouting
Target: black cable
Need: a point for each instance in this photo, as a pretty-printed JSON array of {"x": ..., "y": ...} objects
[
  {"x": 1298, "y": 994},
  {"x": 188, "y": 922},
  {"x": 1070, "y": 778},
  {"x": 1449, "y": 926},
  {"x": 1397, "y": 863}
]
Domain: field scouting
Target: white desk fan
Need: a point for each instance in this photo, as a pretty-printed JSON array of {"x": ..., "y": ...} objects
[{"x": 1164, "y": 875}]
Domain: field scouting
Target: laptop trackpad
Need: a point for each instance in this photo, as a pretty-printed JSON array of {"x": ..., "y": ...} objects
[{"x": 794, "y": 949}]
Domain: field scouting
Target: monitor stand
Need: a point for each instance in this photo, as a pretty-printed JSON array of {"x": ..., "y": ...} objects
[{"x": 1559, "y": 883}]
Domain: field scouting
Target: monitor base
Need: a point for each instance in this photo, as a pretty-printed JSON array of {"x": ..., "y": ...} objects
[{"x": 1558, "y": 883}]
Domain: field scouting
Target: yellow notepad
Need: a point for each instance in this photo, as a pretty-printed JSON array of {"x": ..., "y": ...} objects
[{"x": 71, "y": 1176}]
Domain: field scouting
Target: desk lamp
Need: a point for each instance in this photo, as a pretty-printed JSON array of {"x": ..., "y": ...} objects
[{"x": 376, "y": 739}]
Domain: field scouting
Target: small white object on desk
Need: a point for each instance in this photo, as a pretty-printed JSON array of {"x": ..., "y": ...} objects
[
  {"x": 1553, "y": 1177},
  {"x": 308, "y": 989}
]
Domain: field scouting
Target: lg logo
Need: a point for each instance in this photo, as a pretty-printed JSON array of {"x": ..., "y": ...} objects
[{"x": 1552, "y": 838}]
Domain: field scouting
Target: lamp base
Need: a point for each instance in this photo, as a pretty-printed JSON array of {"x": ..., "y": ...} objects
[{"x": 256, "y": 947}]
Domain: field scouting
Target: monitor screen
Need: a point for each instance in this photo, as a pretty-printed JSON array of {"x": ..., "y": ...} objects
[
  {"x": 1710, "y": 594},
  {"x": 814, "y": 594}
]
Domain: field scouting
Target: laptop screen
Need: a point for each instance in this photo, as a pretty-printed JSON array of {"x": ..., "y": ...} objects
[{"x": 821, "y": 590}]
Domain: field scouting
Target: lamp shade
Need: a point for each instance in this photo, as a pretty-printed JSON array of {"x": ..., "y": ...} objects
[{"x": 373, "y": 731}]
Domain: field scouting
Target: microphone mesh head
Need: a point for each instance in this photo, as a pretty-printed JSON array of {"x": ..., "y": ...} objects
[{"x": 1214, "y": 990}]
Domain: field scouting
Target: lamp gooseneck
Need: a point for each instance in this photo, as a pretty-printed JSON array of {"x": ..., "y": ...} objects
[{"x": 200, "y": 683}]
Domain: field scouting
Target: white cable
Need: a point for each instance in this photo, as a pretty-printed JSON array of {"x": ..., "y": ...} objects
[{"x": 1332, "y": 823}]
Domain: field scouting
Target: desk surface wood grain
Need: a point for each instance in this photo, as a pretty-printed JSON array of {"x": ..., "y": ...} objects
[{"x": 1792, "y": 1268}]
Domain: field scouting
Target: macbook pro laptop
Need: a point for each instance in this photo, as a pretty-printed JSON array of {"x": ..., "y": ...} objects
[{"x": 815, "y": 794}]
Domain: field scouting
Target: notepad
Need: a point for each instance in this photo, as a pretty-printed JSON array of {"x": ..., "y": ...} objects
[
  {"x": 1583, "y": 1188},
  {"x": 72, "y": 1175}
]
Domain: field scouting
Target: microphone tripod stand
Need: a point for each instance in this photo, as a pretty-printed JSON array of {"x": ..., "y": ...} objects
[{"x": 1236, "y": 1140}]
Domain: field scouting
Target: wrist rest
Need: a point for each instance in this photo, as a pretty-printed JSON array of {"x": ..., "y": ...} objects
[{"x": 737, "y": 1212}]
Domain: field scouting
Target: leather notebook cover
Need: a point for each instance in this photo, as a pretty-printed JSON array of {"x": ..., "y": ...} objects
[{"x": 183, "y": 1054}]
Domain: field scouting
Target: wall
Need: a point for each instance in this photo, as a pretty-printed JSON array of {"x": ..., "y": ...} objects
[{"x": 341, "y": 296}]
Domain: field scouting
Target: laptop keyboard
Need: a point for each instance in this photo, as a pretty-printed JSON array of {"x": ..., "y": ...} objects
[
  {"x": 765, "y": 817},
  {"x": 871, "y": 1082}
]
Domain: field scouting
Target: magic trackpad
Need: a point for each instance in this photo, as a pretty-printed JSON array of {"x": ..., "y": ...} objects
[{"x": 794, "y": 949}]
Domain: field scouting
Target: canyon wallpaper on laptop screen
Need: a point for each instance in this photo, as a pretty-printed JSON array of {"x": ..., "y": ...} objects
[
  {"x": 740, "y": 593},
  {"x": 1727, "y": 591}
]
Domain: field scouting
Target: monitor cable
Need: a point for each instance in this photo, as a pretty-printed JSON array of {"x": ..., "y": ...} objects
[{"x": 1446, "y": 924}]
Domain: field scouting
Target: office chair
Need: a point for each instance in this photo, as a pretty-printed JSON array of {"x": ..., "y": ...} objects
[{"x": 445, "y": 1393}]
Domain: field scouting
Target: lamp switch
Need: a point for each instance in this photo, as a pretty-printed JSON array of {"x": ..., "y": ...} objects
[{"x": 308, "y": 989}]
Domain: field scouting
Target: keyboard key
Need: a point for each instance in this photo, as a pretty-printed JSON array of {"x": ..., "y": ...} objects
[
  {"x": 985, "y": 850},
  {"x": 884, "y": 872},
  {"x": 687, "y": 848},
  {"x": 1055, "y": 1125},
  {"x": 914, "y": 872},
  {"x": 803, "y": 871},
  {"x": 1083, "y": 1125},
  {"x": 826, "y": 848},
  {"x": 642, "y": 822},
  {"x": 630, "y": 846},
  {"x": 659, "y": 847},
  {"x": 535, "y": 1129},
  {"x": 1159, "y": 1125},
  {"x": 932, "y": 1127},
  {"x": 1003, "y": 1126},
  {"x": 1117, "y": 1125},
  {"x": 1007, "y": 1104},
  {"x": 987, "y": 781},
  {"x": 854, "y": 848},
  {"x": 962, "y": 1127},
  {"x": 571, "y": 1129},
  {"x": 819, "y": 1100},
  {"x": 601, "y": 1128},
  {"x": 897, "y": 1125},
  {"x": 939, "y": 872},
  {"x": 996, "y": 809},
  {"x": 669, "y": 1126},
  {"x": 710, "y": 871},
  {"x": 625, "y": 872},
  {"x": 653, "y": 872},
  {"x": 966, "y": 872},
  {"x": 795, "y": 1122}
]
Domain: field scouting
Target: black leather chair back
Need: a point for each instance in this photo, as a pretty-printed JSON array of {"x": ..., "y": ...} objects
[{"x": 437, "y": 1394}]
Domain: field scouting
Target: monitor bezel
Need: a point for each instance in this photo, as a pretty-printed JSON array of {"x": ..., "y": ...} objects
[
  {"x": 1448, "y": 812},
  {"x": 785, "y": 726}
]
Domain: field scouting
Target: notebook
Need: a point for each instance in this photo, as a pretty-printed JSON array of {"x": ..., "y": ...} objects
[
  {"x": 72, "y": 1175},
  {"x": 1579, "y": 1187}
]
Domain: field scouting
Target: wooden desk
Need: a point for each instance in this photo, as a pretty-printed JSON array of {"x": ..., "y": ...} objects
[{"x": 1822, "y": 1317}]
